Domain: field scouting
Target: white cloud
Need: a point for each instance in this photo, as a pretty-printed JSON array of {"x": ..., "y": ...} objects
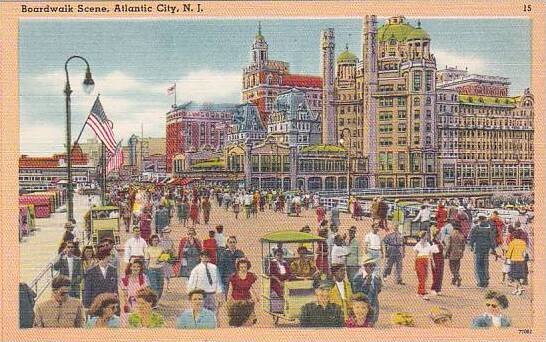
[
  {"x": 208, "y": 86},
  {"x": 127, "y": 101},
  {"x": 475, "y": 64}
]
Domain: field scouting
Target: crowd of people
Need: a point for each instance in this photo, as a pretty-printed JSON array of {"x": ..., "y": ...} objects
[{"x": 101, "y": 287}]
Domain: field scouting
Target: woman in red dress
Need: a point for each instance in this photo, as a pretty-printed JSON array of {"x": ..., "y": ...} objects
[
  {"x": 194, "y": 212},
  {"x": 321, "y": 260},
  {"x": 441, "y": 216},
  {"x": 241, "y": 296},
  {"x": 321, "y": 214},
  {"x": 146, "y": 224}
]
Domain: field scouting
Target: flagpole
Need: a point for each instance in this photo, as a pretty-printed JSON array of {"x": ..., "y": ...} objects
[
  {"x": 103, "y": 174},
  {"x": 174, "y": 94}
]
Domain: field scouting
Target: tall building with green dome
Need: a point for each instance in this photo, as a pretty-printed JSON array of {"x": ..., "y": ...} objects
[{"x": 385, "y": 103}]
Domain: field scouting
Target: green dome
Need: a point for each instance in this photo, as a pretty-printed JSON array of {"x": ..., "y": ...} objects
[
  {"x": 417, "y": 33},
  {"x": 346, "y": 56},
  {"x": 400, "y": 32}
]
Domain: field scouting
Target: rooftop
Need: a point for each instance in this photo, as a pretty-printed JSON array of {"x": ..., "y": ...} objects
[
  {"x": 488, "y": 100},
  {"x": 323, "y": 148},
  {"x": 401, "y": 31},
  {"x": 302, "y": 81}
]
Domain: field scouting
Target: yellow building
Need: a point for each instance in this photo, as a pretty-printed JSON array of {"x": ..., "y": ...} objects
[{"x": 485, "y": 136}]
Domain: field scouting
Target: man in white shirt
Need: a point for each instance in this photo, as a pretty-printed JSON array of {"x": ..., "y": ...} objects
[
  {"x": 205, "y": 277},
  {"x": 247, "y": 201},
  {"x": 135, "y": 246},
  {"x": 372, "y": 247},
  {"x": 423, "y": 217}
]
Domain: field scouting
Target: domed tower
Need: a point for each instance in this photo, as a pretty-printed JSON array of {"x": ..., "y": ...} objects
[
  {"x": 259, "y": 48},
  {"x": 346, "y": 65},
  {"x": 405, "y": 127},
  {"x": 347, "y": 102}
]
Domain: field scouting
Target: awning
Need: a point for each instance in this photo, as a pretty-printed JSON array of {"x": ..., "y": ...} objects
[{"x": 180, "y": 181}]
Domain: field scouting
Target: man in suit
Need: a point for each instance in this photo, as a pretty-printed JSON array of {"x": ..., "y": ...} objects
[
  {"x": 101, "y": 278},
  {"x": 70, "y": 266}
]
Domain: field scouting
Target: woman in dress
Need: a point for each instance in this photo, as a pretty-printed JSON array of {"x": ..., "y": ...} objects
[
  {"x": 194, "y": 211},
  {"x": 144, "y": 316},
  {"x": 189, "y": 251},
  {"x": 241, "y": 295},
  {"x": 102, "y": 313},
  {"x": 206, "y": 207},
  {"x": 279, "y": 272},
  {"x": 464, "y": 221},
  {"x": 154, "y": 270},
  {"x": 321, "y": 260},
  {"x": 361, "y": 316},
  {"x": 516, "y": 256},
  {"x": 167, "y": 244},
  {"x": 146, "y": 224},
  {"x": 133, "y": 281},
  {"x": 236, "y": 206}
]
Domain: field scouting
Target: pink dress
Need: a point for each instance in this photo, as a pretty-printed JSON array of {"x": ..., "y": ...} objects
[{"x": 131, "y": 286}]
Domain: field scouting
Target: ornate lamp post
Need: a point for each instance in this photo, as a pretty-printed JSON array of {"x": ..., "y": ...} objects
[
  {"x": 341, "y": 142},
  {"x": 88, "y": 86}
]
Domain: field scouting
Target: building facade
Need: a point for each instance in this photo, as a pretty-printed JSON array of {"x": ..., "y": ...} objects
[
  {"x": 264, "y": 79},
  {"x": 43, "y": 173},
  {"x": 485, "y": 136},
  {"x": 193, "y": 126},
  {"x": 385, "y": 104},
  {"x": 138, "y": 149},
  {"x": 275, "y": 165},
  {"x": 246, "y": 125},
  {"x": 292, "y": 121}
]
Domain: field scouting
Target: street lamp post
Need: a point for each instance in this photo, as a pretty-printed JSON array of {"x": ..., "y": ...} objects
[
  {"x": 341, "y": 142},
  {"x": 88, "y": 85}
]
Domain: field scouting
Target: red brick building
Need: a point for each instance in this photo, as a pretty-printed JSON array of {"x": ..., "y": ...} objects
[
  {"x": 193, "y": 126},
  {"x": 264, "y": 79}
]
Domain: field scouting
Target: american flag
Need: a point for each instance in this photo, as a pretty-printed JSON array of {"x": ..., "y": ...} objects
[
  {"x": 171, "y": 89},
  {"x": 102, "y": 127},
  {"x": 115, "y": 161}
]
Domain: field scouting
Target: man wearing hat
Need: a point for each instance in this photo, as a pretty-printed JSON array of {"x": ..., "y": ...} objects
[
  {"x": 341, "y": 293},
  {"x": 322, "y": 313},
  {"x": 205, "y": 276},
  {"x": 369, "y": 284},
  {"x": 394, "y": 251},
  {"x": 482, "y": 241},
  {"x": 135, "y": 246},
  {"x": 304, "y": 266}
]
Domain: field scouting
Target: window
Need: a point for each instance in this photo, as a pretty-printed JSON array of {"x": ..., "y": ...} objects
[
  {"x": 401, "y": 101},
  {"x": 429, "y": 80},
  {"x": 401, "y": 127},
  {"x": 401, "y": 114},
  {"x": 416, "y": 81},
  {"x": 417, "y": 114},
  {"x": 402, "y": 141},
  {"x": 402, "y": 160},
  {"x": 416, "y": 101}
]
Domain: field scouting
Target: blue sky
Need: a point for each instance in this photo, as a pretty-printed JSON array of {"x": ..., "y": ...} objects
[{"x": 133, "y": 62}]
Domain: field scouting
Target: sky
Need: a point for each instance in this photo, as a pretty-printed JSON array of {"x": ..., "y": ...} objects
[{"x": 133, "y": 62}]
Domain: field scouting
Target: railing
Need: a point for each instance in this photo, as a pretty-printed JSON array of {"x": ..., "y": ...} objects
[
  {"x": 43, "y": 279},
  {"x": 411, "y": 191}
]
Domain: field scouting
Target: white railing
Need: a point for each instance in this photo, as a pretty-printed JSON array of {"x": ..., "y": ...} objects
[
  {"x": 415, "y": 191},
  {"x": 43, "y": 279}
]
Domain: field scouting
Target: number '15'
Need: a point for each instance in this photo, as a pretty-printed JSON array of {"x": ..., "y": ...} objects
[{"x": 527, "y": 8}]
